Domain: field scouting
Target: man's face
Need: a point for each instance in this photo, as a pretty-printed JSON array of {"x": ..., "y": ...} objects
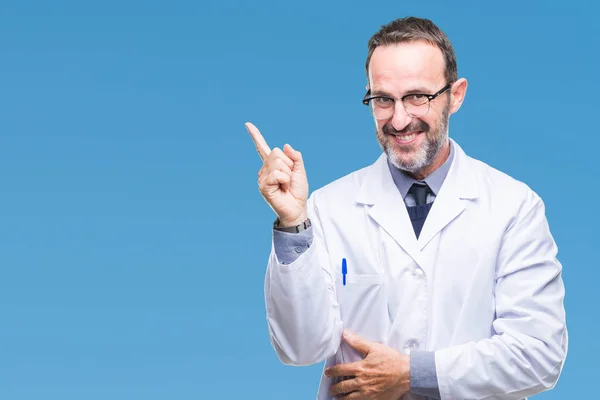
[{"x": 411, "y": 143}]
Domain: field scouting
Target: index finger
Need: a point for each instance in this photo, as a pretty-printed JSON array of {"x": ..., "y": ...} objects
[
  {"x": 262, "y": 147},
  {"x": 348, "y": 369}
]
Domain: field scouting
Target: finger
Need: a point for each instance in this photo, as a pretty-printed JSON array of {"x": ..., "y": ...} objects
[
  {"x": 357, "y": 343},
  {"x": 277, "y": 177},
  {"x": 262, "y": 147},
  {"x": 281, "y": 166},
  {"x": 344, "y": 387},
  {"x": 276, "y": 153},
  {"x": 348, "y": 369},
  {"x": 353, "y": 396},
  {"x": 295, "y": 156}
]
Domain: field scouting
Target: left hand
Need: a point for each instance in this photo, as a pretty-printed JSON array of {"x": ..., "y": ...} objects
[{"x": 383, "y": 374}]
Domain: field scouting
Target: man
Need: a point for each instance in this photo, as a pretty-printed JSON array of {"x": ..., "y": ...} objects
[{"x": 428, "y": 274}]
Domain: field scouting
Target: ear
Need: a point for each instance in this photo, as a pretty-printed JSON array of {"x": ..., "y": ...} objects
[{"x": 458, "y": 92}]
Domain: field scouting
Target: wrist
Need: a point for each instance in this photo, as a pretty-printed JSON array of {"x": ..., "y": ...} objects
[
  {"x": 403, "y": 383},
  {"x": 283, "y": 223},
  {"x": 301, "y": 227},
  {"x": 406, "y": 377}
]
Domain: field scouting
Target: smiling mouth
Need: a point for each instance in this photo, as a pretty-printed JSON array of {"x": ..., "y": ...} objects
[{"x": 406, "y": 137}]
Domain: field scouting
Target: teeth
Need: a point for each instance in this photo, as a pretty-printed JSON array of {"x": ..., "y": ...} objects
[{"x": 406, "y": 137}]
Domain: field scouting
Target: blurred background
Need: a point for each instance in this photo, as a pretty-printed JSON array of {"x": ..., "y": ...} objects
[{"x": 133, "y": 238}]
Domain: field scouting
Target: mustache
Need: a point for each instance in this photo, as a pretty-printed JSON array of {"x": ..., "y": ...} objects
[{"x": 414, "y": 126}]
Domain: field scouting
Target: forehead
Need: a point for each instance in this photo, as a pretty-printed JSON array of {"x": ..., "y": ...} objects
[{"x": 402, "y": 66}]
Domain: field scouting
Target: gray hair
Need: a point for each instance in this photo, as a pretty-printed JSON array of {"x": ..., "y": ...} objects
[{"x": 411, "y": 29}]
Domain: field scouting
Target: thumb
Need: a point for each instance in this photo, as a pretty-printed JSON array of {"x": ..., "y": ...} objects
[
  {"x": 296, "y": 157},
  {"x": 357, "y": 343}
]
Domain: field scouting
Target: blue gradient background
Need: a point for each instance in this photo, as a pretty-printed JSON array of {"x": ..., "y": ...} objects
[{"x": 133, "y": 239}]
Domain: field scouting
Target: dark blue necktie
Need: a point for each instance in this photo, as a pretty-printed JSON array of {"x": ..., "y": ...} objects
[
  {"x": 418, "y": 213},
  {"x": 419, "y": 191}
]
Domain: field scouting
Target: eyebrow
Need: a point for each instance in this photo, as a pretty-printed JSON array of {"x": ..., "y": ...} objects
[{"x": 416, "y": 90}]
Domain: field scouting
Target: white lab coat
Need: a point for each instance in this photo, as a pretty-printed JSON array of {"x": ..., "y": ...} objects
[{"x": 481, "y": 286}]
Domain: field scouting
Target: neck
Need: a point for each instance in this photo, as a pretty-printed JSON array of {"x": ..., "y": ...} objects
[{"x": 439, "y": 159}]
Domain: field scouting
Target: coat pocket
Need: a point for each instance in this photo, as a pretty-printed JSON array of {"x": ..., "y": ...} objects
[{"x": 364, "y": 310}]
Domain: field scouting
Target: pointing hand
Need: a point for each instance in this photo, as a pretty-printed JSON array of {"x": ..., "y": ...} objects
[{"x": 281, "y": 180}]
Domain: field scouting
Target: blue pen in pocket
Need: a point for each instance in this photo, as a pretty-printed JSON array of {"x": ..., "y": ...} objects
[{"x": 344, "y": 271}]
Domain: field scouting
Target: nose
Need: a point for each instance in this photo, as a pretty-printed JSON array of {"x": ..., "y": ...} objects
[{"x": 400, "y": 119}]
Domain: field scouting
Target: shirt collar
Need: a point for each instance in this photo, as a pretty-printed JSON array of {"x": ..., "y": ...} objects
[{"x": 434, "y": 180}]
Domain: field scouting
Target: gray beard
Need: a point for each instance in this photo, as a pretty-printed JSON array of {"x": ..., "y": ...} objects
[{"x": 426, "y": 154}]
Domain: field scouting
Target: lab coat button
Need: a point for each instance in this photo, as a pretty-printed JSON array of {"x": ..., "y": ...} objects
[
  {"x": 298, "y": 249},
  {"x": 411, "y": 345}
]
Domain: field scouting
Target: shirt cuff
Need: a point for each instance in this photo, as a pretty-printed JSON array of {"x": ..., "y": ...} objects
[
  {"x": 289, "y": 246},
  {"x": 423, "y": 377}
]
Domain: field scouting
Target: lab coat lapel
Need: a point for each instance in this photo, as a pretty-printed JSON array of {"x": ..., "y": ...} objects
[
  {"x": 387, "y": 208},
  {"x": 458, "y": 188}
]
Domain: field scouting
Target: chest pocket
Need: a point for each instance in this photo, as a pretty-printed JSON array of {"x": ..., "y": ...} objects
[{"x": 363, "y": 304}]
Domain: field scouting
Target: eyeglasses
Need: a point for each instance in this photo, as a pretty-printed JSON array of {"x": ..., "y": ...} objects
[{"x": 415, "y": 104}]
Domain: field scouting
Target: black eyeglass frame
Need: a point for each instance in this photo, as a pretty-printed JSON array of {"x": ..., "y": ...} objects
[{"x": 429, "y": 97}]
